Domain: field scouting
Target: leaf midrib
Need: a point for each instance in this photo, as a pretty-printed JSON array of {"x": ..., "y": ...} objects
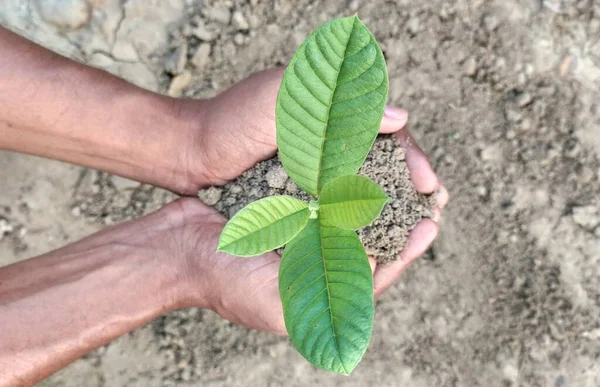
[
  {"x": 329, "y": 109},
  {"x": 384, "y": 200}
]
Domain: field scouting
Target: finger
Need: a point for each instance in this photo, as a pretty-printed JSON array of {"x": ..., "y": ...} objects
[
  {"x": 393, "y": 120},
  {"x": 421, "y": 172},
  {"x": 419, "y": 240},
  {"x": 442, "y": 197},
  {"x": 436, "y": 214}
]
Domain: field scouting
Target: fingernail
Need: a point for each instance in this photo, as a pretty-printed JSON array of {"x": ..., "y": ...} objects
[{"x": 396, "y": 113}]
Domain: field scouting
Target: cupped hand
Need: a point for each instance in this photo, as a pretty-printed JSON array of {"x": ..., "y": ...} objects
[{"x": 238, "y": 131}]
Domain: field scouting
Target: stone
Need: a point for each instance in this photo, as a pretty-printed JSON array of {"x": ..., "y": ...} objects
[
  {"x": 523, "y": 99},
  {"x": 219, "y": 14},
  {"x": 175, "y": 63},
  {"x": 122, "y": 183},
  {"x": 125, "y": 51},
  {"x": 179, "y": 83},
  {"x": 202, "y": 56},
  {"x": 210, "y": 196},
  {"x": 205, "y": 33},
  {"x": 469, "y": 67},
  {"x": 490, "y": 22},
  {"x": 5, "y": 228},
  {"x": 64, "y": 14},
  {"x": 277, "y": 177},
  {"x": 587, "y": 217},
  {"x": 239, "y": 39},
  {"x": 413, "y": 26},
  {"x": 239, "y": 21}
]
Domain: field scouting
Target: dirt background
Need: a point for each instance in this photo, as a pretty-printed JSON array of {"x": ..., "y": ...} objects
[{"x": 504, "y": 96}]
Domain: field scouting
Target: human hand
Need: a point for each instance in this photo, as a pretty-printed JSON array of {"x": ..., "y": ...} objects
[{"x": 238, "y": 130}]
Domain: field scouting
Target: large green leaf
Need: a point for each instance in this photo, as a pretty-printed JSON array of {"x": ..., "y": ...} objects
[
  {"x": 263, "y": 226},
  {"x": 330, "y": 103},
  {"x": 351, "y": 202},
  {"x": 326, "y": 289}
]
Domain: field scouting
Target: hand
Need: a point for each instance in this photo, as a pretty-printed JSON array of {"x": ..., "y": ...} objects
[{"x": 238, "y": 132}]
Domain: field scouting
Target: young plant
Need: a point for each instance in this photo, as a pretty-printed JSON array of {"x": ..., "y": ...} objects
[{"x": 329, "y": 108}]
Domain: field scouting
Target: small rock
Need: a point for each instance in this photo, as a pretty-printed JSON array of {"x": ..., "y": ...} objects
[
  {"x": 125, "y": 51},
  {"x": 566, "y": 65},
  {"x": 64, "y": 14},
  {"x": 219, "y": 14},
  {"x": 5, "y": 228},
  {"x": 481, "y": 191},
  {"x": 175, "y": 63},
  {"x": 587, "y": 217},
  {"x": 490, "y": 22},
  {"x": 205, "y": 33},
  {"x": 585, "y": 175},
  {"x": 277, "y": 177},
  {"x": 202, "y": 56},
  {"x": 122, "y": 183},
  {"x": 291, "y": 187},
  {"x": 210, "y": 196},
  {"x": 470, "y": 67},
  {"x": 239, "y": 21},
  {"x": 572, "y": 149},
  {"x": 413, "y": 26},
  {"x": 239, "y": 39},
  {"x": 523, "y": 99},
  {"x": 76, "y": 211},
  {"x": 179, "y": 83},
  {"x": 512, "y": 114},
  {"x": 354, "y": 5},
  {"x": 526, "y": 124}
]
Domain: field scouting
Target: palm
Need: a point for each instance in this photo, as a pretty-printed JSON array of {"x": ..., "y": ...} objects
[{"x": 240, "y": 132}]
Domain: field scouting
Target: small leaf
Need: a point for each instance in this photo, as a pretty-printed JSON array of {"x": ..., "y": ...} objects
[
  {"x": 330, "y": 103},
  {"x": 263, "y": 226},
  {"x": 326, "y": 289},
  {"x": 351, "y": 202}
]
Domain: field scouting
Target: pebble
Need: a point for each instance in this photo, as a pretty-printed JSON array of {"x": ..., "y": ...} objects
[
  {"x": 175, "y": 63},
  {"x": 239, "y": 39},
  {"x": 481, "y": 191},
  {"x": 64, "y": 14},
  {"x": 512, "y": 114},
  {"x": 179, "y": 83},
  {"x": 205, "y": 33},
  {"x": 277, "y": 177},
  {"x": 122, "y": 183},
  {"x": 523, "y": 99},
  {"x": 566, "y": 65},
  {"x": 211, "y": 195},
  {"x": 587, "y": 217},
  {"x": 470, "y": 67},
  {"x": 490, "y": 22},
  {"x": 202, "y": 56},
  {"x": 413, "y": 26},
  {"x": 219, "y": 14},
  {"x": 5, "y": 228},
  {"x": 239, "y": 21},
  {"x": 354, "y": 5}
]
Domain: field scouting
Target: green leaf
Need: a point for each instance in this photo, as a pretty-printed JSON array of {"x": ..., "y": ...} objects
[
  {"x": 351, "y": 202},
  {"x": 263, "y": 225},
  {"x": 326, "y": 289},
  {"x": 330, "y": 103}
]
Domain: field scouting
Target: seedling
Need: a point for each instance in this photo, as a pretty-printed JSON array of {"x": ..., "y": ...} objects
[{"x": 329, "y": 108}]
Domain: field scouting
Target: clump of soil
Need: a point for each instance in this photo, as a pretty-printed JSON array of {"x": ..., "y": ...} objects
[{"x": 385, "y": 165}]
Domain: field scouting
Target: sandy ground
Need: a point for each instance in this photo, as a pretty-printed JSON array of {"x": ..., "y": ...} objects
[{"x": 504, "y": 98}]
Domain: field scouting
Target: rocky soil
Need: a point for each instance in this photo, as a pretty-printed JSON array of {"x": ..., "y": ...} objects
[{"x": 503, "y": 96}]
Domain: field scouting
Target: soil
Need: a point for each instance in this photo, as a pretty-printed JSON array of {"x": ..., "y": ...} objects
[
  {"x": 384, "y": 239},
  {"x": 503, "y": 96}
]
